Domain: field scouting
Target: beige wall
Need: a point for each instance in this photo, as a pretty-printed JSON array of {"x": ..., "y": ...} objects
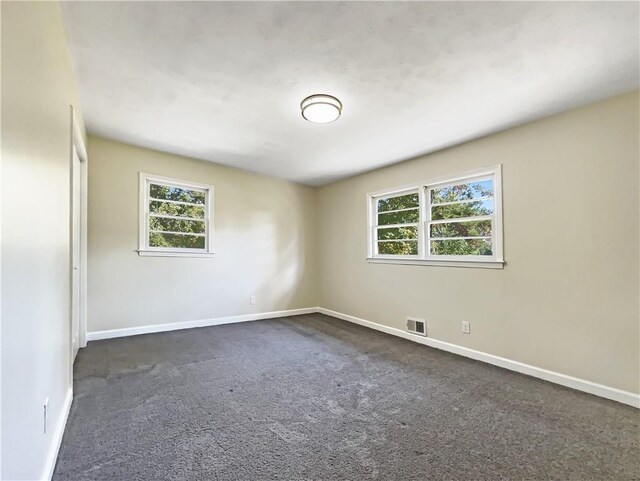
[
  {"x": 567, "y": 299},
  {"x": 37, "y": 89},
  {"x": 264, "y": 243}
]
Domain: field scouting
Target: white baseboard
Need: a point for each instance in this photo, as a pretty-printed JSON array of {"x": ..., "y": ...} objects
[
  {"x": 174, "y": 326},
  {"x": 601, "y": 390},
  {"x": 50, "y": 465}
]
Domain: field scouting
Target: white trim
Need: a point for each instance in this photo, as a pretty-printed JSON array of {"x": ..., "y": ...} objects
[
  {"x": 77, "y": 137},
  {"x": 406, "y": 209},
  {"x": 194, "y": 234},
  {"x": 56, "y": 442},
  {"x": 436, "y": 239},
  {"x": 458, "y": 220},
  {"x": 431, "y": 262},
  {"x": 172, "y": 181},
  {"x": 185, "y": 253},
  {"x": 495, "y": 174},
  {"x": 424, "y": 256},
  {"x": 398, "y": 240},
  {"x": 614, "y": 394},
  {"x": 174, "y": 326},
  {"x": 396, "y": 191},
  {"x": 143, "y": 205},
  {"x": 600, "y": 390},
  {"x": 462, "y": 201},
  {"x": 395, "y": 226},
  {"x": 77, "y": 143},
  {"x": 176, "y": 217},
  {"x": 179, "y": 202},
  {"x": 624, "y": 397}
]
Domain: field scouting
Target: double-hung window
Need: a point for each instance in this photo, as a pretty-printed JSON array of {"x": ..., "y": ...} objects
[
  {"x": 453, "y": 221},
  {"x": 175, "y": 217},
  {"x": 396, "y": 224}
]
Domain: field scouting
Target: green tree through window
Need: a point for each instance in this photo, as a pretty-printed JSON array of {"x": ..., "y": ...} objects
[
  {"x": 452, "y": 232},
  {"x": 397, "y": 221},
  {"x": 176, "y": 217},
  {"x": 448, "y": 221}
]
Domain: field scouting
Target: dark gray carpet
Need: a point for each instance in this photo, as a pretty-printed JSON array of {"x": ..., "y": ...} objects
[{"x": 315, "y": 398}]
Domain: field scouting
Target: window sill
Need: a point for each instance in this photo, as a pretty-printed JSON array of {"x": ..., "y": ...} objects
[
  {"x": 150, "y": 253},
  {"x": 443, "y": 263}
]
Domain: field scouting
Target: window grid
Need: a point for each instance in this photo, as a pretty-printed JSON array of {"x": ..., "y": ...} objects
[
  {"x": 377, "y": 227},
  {"x": 458, "y": 220},
  {"x": 179, "y": 225},
  {"x": 151, "y": 215},
  {"x": 469, "y": 231}
]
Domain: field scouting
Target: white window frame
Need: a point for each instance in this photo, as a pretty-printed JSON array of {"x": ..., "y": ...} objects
[
  {"x": 373, "y": 223},
  {"x": 144, "y": 195},
  {"x": 496, "y": 261}
]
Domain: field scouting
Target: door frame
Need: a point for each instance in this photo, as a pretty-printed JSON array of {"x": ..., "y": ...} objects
[{"x": 77, "y": 144}]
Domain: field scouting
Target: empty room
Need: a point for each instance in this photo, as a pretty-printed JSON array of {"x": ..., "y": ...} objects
[{"x": 320, "y": 241}]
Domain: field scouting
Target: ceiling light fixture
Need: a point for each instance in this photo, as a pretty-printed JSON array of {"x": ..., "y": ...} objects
[{"x": 321, "y": 108}]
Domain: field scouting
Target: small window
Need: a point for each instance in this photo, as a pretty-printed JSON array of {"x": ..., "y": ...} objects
[
  {"x": 175, "y": 217},
  {"x": 461, "y": 218},
  {"x": 396, "y": 224},
  {"x": 446, "y": 222}
]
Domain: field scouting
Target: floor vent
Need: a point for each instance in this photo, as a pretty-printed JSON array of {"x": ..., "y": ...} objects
[{"x": 416, "y": 326}]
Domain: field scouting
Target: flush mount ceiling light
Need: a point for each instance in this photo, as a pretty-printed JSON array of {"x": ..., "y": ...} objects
[{"x": 321, "y": 108}]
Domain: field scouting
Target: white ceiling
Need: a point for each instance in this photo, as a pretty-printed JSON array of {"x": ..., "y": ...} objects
[{"x": 222, "y": 81}]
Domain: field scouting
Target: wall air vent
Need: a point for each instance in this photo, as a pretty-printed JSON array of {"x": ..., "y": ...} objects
[{"x": 416, "y": 326}]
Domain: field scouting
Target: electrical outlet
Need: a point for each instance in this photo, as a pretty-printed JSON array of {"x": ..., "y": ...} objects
[
  {"x": 466, "y": 327},
  {"x": 45, "y": 409},
  {"x": 252, "y": 300}
]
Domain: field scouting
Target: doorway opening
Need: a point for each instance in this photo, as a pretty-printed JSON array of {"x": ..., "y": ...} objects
[{"x": 78, "y": 234}]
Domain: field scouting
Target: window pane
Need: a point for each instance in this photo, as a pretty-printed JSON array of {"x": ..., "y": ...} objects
[
  {"x": 175, "y": 193},
  {"x": 180, "y": 210},
  {"x": 402, "y": 217},
  {"x": 466, "y": 209},
  {"x": 175, "y": 225},
  {"x": 474, "y": 228},
  {"x": 398, "y": 248},
  {"x": 399, "y": 202},
  {"x": 398, "y": 233},
  {"x": 181, "y": 241},
  {"x": 470, "y": 190},
  {"x": 461, "y": 247}
]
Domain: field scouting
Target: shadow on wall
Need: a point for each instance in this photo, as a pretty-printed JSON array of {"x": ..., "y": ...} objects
[{"x": 270, "y": 244}]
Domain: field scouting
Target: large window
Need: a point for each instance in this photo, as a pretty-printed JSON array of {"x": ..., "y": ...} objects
[
  {"x": 453, "y": 221},
  {"x": 175, "y": 217}
]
